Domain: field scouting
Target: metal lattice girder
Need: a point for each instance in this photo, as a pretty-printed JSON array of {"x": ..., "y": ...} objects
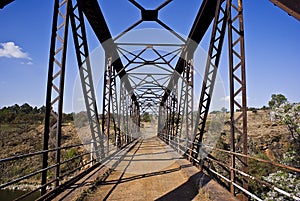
[
  {"x": 201, "y": 24},
  {"x": 134, "y": 119},
  {"x": 182, "y": 102},
  {"x": 185, "y": 108},
  {"x": 237, "y": 89},
  {"x": 5, "y": 2},
  {"x": 55, "y": 87},
  {"x": 130, "y": 121},
  {"x": 148, "y": 86},
  {"x": 114, "y": 107},
  {"x": 96, "y": 19},
  {"x": 107, "y": 100},
  {"x": 189, "y": 98},
  {"x": 212, "y": 63},
  {"x": 174, "y": 106},
  {"x": 168, "y": 121},
  {"x": 292, "y": 7},
  {"x": 82, "y": 53},
  {"x": 110, "y": 104},
  {"x": 160, "y": 125},
  {"x": 123, "y": 115}
]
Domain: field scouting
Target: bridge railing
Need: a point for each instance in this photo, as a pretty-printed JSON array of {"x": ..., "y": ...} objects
[
  {"x": 216, "y": 168},
  {"x": 22, "y": 177},
  {"x": 19, "y": 180}
]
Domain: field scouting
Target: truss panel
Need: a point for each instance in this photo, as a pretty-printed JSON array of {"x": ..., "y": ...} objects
[
  {"x": 237, "y": 89},
  {"x": 82, "y": 52},
  {"x": 212, "y": 64},
  {"x": 55, "y": 87}
]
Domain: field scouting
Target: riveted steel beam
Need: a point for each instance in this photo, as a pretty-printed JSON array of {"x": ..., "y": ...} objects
[
  {"x": 212, "y": 64},
  {"x": 82, "y": 53},
  {"x": 237, "y": 72},
  {"x": 292, "y": 7},
  {"x": 96, "y": 19},
  {"x": 204, "y": 18},
  {"x": 55, "y": 88}
]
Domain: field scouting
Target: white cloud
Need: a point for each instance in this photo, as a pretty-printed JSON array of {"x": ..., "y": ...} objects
[
  {"x": 227, "y": 98},
  {"x": 27, "y": 63},
  {"x": 10, "y": 50}
]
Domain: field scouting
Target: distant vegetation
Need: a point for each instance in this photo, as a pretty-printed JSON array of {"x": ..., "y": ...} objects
[
  {"x": 273, "y": 135},
  {"x": 26, "y": 114},
  {"x": 146, "y": 117},
  {"x": 21, "y": 132}
]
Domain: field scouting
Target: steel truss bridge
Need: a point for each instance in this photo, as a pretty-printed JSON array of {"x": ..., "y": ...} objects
[{"x": 140, "y": 78}]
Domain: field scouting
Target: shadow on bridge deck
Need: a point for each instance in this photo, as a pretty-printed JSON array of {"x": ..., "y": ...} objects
[{"x": 149, "y": 170}]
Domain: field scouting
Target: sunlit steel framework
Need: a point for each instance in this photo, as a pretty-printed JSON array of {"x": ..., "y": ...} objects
[
  {"x": 169, "y": 94},
  {"x": 129, "y": 93},
  {"x": 63, "y": 12},
  {"x": 167, "y": 91}
]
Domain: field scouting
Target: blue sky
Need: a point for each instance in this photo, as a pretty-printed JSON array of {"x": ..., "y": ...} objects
[{"x": 271, "y": 39}]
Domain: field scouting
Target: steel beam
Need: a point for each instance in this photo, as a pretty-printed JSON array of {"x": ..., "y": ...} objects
[
  {"x": 292, "y": 7},
  {"x": 201, "y": 24},
  {"x": 83, "y": 61},
  {"x": 55, "y": 87},
  {"x": 96, "y": 19},
  {"x": 212, "y": 64},
  {"x": 5, "y": 2},
  {"x": 106, "y": 105},
  {"x": 237, "y": 72}
]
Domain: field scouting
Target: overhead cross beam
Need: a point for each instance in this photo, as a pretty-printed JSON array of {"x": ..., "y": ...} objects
[
  {"x": 292, "y": 7},
  {"x": 204, "y": 18},
  {"x": 4, "y": 3},
  {"x": 96, "y": 19}
]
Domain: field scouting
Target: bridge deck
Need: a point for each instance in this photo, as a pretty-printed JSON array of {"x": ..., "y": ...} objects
[{"x": 148, "y": 170}]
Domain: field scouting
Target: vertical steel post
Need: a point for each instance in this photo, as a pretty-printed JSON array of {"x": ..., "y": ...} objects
[
  {"x": 107, "y": 100},
  {"x": 82, "y": 53},
  {"x": 189, "y": 98},
  {"x": 130, "y": 120},
  {"x": 173, "y": 99},
  {"x": 127, "y": 133},
  {"x": 123, "y": 134},
  {"x": 237, "y": 88},
  {"x": 55, "y": 87},
  {"x": 159, "y": 121},
  {"x": 212, "y": 64},
  {"x": 182, "y": 100},
  {"x": 169, "y": 117},
  {"x": 114, "y": 106}
]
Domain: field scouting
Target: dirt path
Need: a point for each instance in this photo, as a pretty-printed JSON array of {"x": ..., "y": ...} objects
[{"x": 148, "y": 172}]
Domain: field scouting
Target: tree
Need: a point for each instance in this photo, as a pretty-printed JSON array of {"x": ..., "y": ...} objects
[
  {"x": 146, "y": 117},
  {"x": 285, "y": 181},
  {"x": 224, "y": 110},
  {"x": 277, "y": 100},
  {"x": 289, "y": 114}
]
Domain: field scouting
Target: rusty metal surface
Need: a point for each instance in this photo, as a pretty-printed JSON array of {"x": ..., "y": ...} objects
[
  {"x": 212, "y": 64},
  {"x": 237, "y": 74},
  {"x": 84, "y": 65},
  {"x": 204, "y": 18},
  {"x": 96, "y": 19},
  {"x": 5, "y": 3},
  {"x": 158, "y": 92},
  {"x": 55, "y": 88},
  {"x": 292, "y": 7}
]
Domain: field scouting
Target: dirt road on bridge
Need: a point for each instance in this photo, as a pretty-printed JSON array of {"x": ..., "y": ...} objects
[{"x": 148, "y": 172}]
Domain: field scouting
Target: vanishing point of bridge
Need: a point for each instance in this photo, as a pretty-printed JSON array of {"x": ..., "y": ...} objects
[{"x": 169, "y": 158}]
